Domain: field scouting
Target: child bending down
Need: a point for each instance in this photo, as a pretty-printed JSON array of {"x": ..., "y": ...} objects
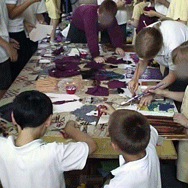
[
  {"x": 158, "y": 41},
  {"x": 135, "y": 139},
  {"x": 26, "y": 160},
  {"x": 88, "y": 20},
  {"x": 53, "y": 8},
  {"x": 180, "y": 59}
]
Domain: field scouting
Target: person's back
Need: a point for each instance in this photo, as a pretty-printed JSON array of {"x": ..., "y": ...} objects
[
  {"x": 27, "y": 161},
  {"x": 135, "y": 140}
]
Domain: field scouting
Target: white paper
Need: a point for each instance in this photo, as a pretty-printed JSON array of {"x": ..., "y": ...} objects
[{"x": 40, "y": 32}]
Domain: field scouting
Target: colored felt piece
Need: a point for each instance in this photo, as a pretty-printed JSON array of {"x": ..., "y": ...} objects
[
  {"x": 67, "y": 66},
  {"x": 58, "y": 51},
  {"x": 68, "y": 59},
  {"x": 116, "y": 84},
  {"x": 106, "y": 75},
  {"x": 98, "y": 91},
  {"x": 81, "y": 113},
  {"x": 65, "y": 73},
  {"x": 113, "y": 60},
  {"x": 134, "y": 57},
  {"x": 94, "y": 65}
]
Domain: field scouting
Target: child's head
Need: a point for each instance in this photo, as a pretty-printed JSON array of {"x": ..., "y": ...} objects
[
  {"x": 129, "y": 130},
  {"x": 31, "y": 109},
  {"x": 106, "y": 12},
  {"x": 148, "y": 43},
  {"x": 180, "y": 59}
]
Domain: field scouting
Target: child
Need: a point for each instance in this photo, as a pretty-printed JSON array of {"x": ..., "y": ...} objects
[
  {"x": 53, "y": 8},
  {"x": 87, "y": 20},
  {"x": 27, "y": 161},
  {"x": 158, "y": 43},
  {"x": 7, "y": 52},
  {"x": 180, "y": 59},
  {"x": 135, "y": 139}
]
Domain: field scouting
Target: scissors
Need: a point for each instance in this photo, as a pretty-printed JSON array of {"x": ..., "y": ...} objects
[{"x": 99, "y": 113}]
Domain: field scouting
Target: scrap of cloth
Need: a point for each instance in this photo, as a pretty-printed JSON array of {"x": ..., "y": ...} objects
[
  {"x": 116, "y": 84},
  {"x": 98, "y": 91},
  {"x": 81, "y": 113},
  {"x": 94, "y": 65},
  {"x": 58, "y": 51},
  {"x": 106, "y": 75},
  {"x": 68, "y": 59},
  {"x": 115, "y": 61}
]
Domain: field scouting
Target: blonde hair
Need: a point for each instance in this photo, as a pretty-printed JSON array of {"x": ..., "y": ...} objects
[
  {"x": 148, "y": 43},
  {"x": 180, "y": 54}
]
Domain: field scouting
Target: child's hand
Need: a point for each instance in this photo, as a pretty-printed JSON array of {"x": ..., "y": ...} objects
[
  {"x": 108, "y": 108},
  {"x": 133, "y": 85},
  {"x": 99, "y": 59},
  {"x": 145, "y": 100},
  {"x": 181, "y": 119},
  {"x": 12, "y": 52},
  {"x": 14, "y": 43},
  {"x": 119, "y": 51}
]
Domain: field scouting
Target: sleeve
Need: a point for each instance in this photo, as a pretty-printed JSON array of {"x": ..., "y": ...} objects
[
  {"x": 153, "y": 136},
  {"x": 11, "y": 2},
  {"x": 90, "y": 28},
  {"x": 115, "y": 35},
  {"x": 72, "y": 156},
  {"x": 138, "y": 10},
  {"x": 41, "y": 7}
]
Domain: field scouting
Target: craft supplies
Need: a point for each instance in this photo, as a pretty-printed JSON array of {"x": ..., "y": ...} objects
[{"x": 70, "y": 89}]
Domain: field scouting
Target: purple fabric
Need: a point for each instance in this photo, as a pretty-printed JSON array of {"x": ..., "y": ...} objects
[
  {"x": 98, "y": 91},
  {"x": 94, "y": 65},
  {"x": 116, "y": 84},
  {"x": 145, "y": 20},
  {"x": 58, "y": 51},
  {"x": 134, "y": 57},
  {"x": 113, "y": 60},
  {"x": 68, "y": 59},
  {"x": 66, "y": 73},
  {"x": 67, "y": 66},
  {"x": 85, "y": 18}
]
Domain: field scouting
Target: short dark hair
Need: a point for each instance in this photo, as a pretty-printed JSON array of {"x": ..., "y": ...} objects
[
  {"x": 130, "y": 130},
  {"x": 108, "y": 6},
  {"x": 31, "y": 108},
  {"x": 148, "y": 42}
]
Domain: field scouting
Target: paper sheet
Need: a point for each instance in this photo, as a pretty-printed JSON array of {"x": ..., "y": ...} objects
[{"x": 40, "y": 32}]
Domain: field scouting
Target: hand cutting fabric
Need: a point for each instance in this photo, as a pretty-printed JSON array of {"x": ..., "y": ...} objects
[
  {"x": 119, "y": 51},
  {"x": 133, "y": 85}
]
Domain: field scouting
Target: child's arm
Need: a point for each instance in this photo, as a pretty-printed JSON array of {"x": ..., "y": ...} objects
[
  {"x": 15, "y": 10},
  {"x": 77, "y": 135},
  {"x": 133, "y": 84},
  {"x": 12, "y": 53}
]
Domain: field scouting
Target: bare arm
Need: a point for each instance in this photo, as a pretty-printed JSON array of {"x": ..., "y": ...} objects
[
  {"x": 77, "y": 135},
  {"x": 12, "y": 53},
  {"x": 14, "y": 10}
]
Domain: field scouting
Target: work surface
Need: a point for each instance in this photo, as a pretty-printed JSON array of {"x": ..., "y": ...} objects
[{"x": 81, "y": 106}]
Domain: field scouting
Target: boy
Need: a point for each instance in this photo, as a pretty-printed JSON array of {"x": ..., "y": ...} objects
[
  {"x": 180, "y": 59},
  {"x": 88, "y": 20},
  {"x": 158, "y": 43},
  {"x": 7, "y": 52},
  {"x": 27, "y": 161},
  {"x": 133, "y": 136}
]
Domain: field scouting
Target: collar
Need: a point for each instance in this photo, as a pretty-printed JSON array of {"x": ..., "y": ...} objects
[
  {"x": 27, "y": 147},
  {"x": 132, "y": 165}
]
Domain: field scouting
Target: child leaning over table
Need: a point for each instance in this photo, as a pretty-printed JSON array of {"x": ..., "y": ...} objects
[
  {"x": 27, "y": 161},
  {"x": 88, "y": 20},
  {"x": 158, "y": 41},
  {"x": 180, "y": 59},
  {"x": 135, "y": 139}
]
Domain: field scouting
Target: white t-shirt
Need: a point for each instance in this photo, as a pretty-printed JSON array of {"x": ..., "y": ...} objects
[
  {"x": 39, "y": 164},
  {"x": 121, "y": 15},
  {"x": 36, "y": 8},
  {"x": 16, "y": 24},
  {"x": 161, "y": 8},
  {"x": 143, "y": 173},
  {"x": 174, "y": 33},
  {"x": 3, "y": 30}
]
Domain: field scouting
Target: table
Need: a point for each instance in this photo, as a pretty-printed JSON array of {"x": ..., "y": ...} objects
[{"x": 27, "y": 80}]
